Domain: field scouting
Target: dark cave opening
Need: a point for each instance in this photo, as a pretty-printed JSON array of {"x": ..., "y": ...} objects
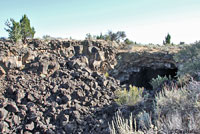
[{"x": 146, "y": 74}]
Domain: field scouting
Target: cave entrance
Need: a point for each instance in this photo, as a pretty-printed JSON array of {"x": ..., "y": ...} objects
[{"x": 146, "y": 74}]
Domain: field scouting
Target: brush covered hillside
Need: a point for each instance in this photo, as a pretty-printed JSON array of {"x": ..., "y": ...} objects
[{"x": 98, "y": 87}]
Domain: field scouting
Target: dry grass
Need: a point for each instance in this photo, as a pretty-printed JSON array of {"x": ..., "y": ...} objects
[
  {"x": 120, "y": 125},
  {"x": 152, "y": 48}
]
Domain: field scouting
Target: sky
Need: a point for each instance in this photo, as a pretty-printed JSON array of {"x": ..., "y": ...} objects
[{"x": 144, "y": 21}]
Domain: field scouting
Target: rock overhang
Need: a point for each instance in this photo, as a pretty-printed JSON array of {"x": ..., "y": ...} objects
[{"x": 138, "y": 68}]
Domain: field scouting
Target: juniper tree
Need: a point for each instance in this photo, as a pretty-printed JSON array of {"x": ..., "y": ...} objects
[
  {"x": 167, "y": 39},
  {"x": 120, "y": 35},
  {"x": 14, "y": 30},
  {"x": 26, "y": 30},
  {"x": 20, "y": 30},
  {"x": 101, "y": 36}
]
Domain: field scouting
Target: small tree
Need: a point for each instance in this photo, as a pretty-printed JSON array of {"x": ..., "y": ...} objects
[
  {"x": 20, "y": 30},
  {"x": 101, "y": 36},
  {"x": 46, "y": 37},
  {"x": 128, "y": 42},
  {"x": 14, "y": 30},
  {"x": 121, "y": 35},
  {"x": 167, "y": 39},
  {"x": 88, "y": 36},
  {"x": 26, "y": 30},
  {"x": 111, "y": 36},
  {"x": 116, "y": 36}
]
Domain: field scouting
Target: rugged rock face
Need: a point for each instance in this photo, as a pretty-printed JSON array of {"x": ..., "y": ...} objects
[
  {"x": 56, "y": 87},
  {"x": 97, "y": 55}
]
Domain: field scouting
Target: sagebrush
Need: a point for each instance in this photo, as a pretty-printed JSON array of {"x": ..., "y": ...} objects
[
  {"x": 178, "y": 111},
  {"x": 188, "y": 59},
  {"x": 157, "y": 82}
]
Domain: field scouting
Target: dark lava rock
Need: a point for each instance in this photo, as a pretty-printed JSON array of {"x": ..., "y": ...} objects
[
  {"x": 57, "y": 88},
  {"x": 12, "y": 107}
]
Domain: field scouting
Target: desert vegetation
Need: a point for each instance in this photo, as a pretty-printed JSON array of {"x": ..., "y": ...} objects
[
  {"x": 119, "y": 36},
  {"x": 176, "y": 104},
  {"x": 177, "y": 111}
]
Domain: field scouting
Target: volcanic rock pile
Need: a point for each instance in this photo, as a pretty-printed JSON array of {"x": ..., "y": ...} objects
[{"x": 56, "y": 87}]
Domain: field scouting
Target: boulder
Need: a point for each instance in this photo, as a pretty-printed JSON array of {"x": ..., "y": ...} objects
[{"x": 12, "y": 62}]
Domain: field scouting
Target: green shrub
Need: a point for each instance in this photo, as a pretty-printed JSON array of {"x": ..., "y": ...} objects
[
  {"x": 128, "y": 42},
  {"x": 131, "y": 97},
  {"x": 157, "y": 82},
  {"x": 106, "y": 74},
  {"x": 143, "y": 121},
  {"x": 188, "y": 60}
]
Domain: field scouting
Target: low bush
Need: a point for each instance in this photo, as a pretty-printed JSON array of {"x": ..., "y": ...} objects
[
  {"x": 159, "y": 81},
  {"x": 131, "y": 97},
  {"x": 106, "y": 74}
]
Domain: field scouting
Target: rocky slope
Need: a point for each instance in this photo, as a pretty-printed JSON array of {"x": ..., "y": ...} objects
[
  {"x": 60, "y": 86},
  {"x": 56, "y": 87}
]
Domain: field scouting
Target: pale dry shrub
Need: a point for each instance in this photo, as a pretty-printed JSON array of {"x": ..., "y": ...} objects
[
  {"x": 178, "y": 122},
  {"x": 178, "y": 112},
  {"x": 183, "y": 80},
  {"x": 188, "y": 59},
  {"x": 120, "y": 125},
  {"x": 179, "y": 108},
  {"x": 171, "y": 99}
]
